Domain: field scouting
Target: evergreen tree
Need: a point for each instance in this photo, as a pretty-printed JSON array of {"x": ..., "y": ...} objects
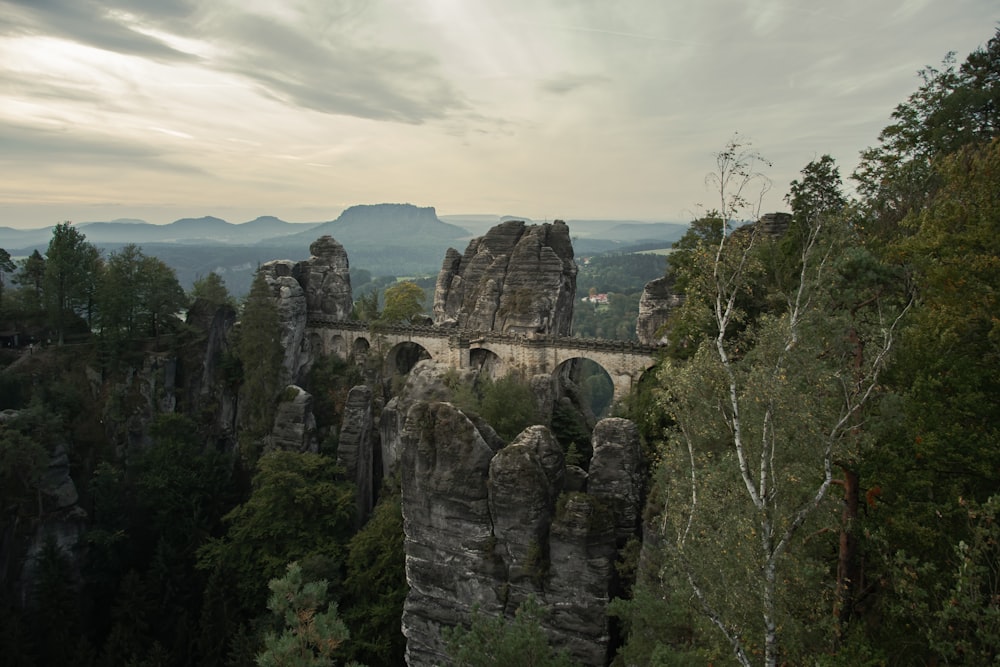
[
  {"x": 310, "y": 635},
  {"x": 259, "y": 351},
  {"x": 71, "y": 270},
  {"x": 499, "y": 642}
]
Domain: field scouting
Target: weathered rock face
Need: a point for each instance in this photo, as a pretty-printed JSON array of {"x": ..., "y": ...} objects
[
  {"x": 616, "y": 473},
  {"x": 294, "y": 424},
  {"x": 524, "y": 479},
  {"x": 320, "y": 285},
  {"x": 658, "y": 300},
  {"x": 517, "y": 278},
  {"x": 581, "y": 560},
  {"x": 450, "y": 566},
  {"x": 290, "y": 301},
  {"x": 490, "y": 527},
  {"x": 356, "y": 448},
  {"x": 425, "y": 382},
  {"x": 325, "y": 277}
]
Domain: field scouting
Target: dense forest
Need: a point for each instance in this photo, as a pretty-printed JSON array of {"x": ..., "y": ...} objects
[{"x": 821, "y": 433}]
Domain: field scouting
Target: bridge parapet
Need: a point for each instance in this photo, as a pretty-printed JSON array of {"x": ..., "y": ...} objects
[{"x": 625, "y": 361}]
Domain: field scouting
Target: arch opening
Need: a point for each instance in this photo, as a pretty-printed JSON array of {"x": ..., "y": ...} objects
[
  {"x": 587, "y": 384},
  {"x": 486, "y": 363},
  {"x": 404, "y": 356},
  {"x": 336, "y": 345},
  {"x": 359, "y": 349}
]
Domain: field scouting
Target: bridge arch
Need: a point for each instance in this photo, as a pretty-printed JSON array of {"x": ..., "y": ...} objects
[
  {"x": 487, "y": 362},
  {"x": 403, "y": 356},
  {"x": 593, "y": 382},
  {"x": 360, "y": 347}
]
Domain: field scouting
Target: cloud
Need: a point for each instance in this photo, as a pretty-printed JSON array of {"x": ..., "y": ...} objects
[
  {"x": 569, "y": 83},
  {"x": 94, "y": 24},
  {"x": 26, "y": 146},
  {"x": 335, "y": 75}
]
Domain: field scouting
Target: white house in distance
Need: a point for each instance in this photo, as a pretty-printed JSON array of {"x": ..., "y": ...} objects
[{"x": 598, "y": 299}]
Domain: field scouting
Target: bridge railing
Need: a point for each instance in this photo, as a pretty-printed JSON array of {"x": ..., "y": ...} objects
[{"x": 472, "y": 337}]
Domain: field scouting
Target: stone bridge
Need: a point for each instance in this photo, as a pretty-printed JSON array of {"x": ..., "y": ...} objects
[{"x": 402, "y": 346}]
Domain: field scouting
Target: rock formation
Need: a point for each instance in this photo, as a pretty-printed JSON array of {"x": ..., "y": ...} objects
[
  {"x": 488, "y": 527},
  {"x": 318, "y": 286},
  {"x": 615, "y": 474},
  {"x": 427, "y": 381},
  {"x": 325, "y": 277},
  {"x": 517, "y": 278},
  {"x": 294, "y": 424},
  {"x": 290, "y": 301},
  {"x": 356, "y": 448},
  {"x": 450, "y": 562},
  {"x": 658, "y": 300}
]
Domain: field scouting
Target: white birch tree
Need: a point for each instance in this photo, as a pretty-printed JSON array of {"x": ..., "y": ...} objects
[{"x": 762, "y": 411}]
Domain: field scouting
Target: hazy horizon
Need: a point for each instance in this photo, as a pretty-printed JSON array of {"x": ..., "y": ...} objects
[
  {"x": 171, "y": 109},
  {"x": 444, "y": 217}
]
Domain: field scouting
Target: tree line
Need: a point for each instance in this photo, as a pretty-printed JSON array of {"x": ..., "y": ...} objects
[{"x": 827, "y": 445}]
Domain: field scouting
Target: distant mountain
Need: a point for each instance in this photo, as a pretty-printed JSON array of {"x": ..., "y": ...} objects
[
  {"x": 378, "y": 224},
  {"x": 205, "y": 230}
]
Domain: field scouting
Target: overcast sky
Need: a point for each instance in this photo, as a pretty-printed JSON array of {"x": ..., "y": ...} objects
[{"x": 161, "y": 109}]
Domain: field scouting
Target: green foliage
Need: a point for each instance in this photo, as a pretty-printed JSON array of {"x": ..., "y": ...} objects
[
  {"x": 659, "y": 631},
  {"x": 70, "y": 280},
  {"x": 259, "y": 351},
  {"x": 619, "y": 273},
  {"x": 309, "y": 635},
  {"x": 23, "y": 462},
  {"x": 212, "y": 290},
  {"x": 297, "y": 511},
  {"x": 956, "y": 106},
  {"x": 137, "y": 295},
  {"x": 404, "y": 303},
  {"x": 693, "y": 269},
  {"x": 938, "y": 453},
  {"x": 622, "y": 277},
  {"x": 966, "y": 627},
  {"x": 765, "y": 405},
  {"x": 570, "y": 429},
  {"x": 507, "y": 404},
  {"x": 496, "y": 641},
  {"x": 375, "y": 587},
  {"x": 56, "y": 608},
  {"x": 330, "y": 381},
  {"x": 366, "y": 307}
]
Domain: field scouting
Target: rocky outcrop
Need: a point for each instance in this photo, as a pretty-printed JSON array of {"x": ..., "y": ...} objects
[
  {"x": 657, "y": 302},
  {"x": 318, "y": 286},
  {"x": 525, "y": 478},
  {"x": 449, "y": 542},
  {"x": 615, "y": 474},
  {"x": 356, "y": 448},
  {"x": 326, "y": 279},
  {"x": 427, "y": 381},
  {"x": 290, "y": 302},
  {"x": 488, "y": 527},
  {"x": 294, "y": 424},
  {"x": 517, "y": 278},
  {"x": 581, "y": 563}
]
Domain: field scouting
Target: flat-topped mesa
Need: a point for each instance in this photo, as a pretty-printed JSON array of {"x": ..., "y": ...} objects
[{"x": 517, "y": 278}]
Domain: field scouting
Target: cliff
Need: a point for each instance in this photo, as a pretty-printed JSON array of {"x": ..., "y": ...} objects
[
  {"x": 517, "y": 278},
  {"x": 320, "y": 285},
  {"x": 486, "y": 527},
  {"x": 657, "y": 302}
]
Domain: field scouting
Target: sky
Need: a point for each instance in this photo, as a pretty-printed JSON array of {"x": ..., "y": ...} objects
[{"x": 547, "y": 109}]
